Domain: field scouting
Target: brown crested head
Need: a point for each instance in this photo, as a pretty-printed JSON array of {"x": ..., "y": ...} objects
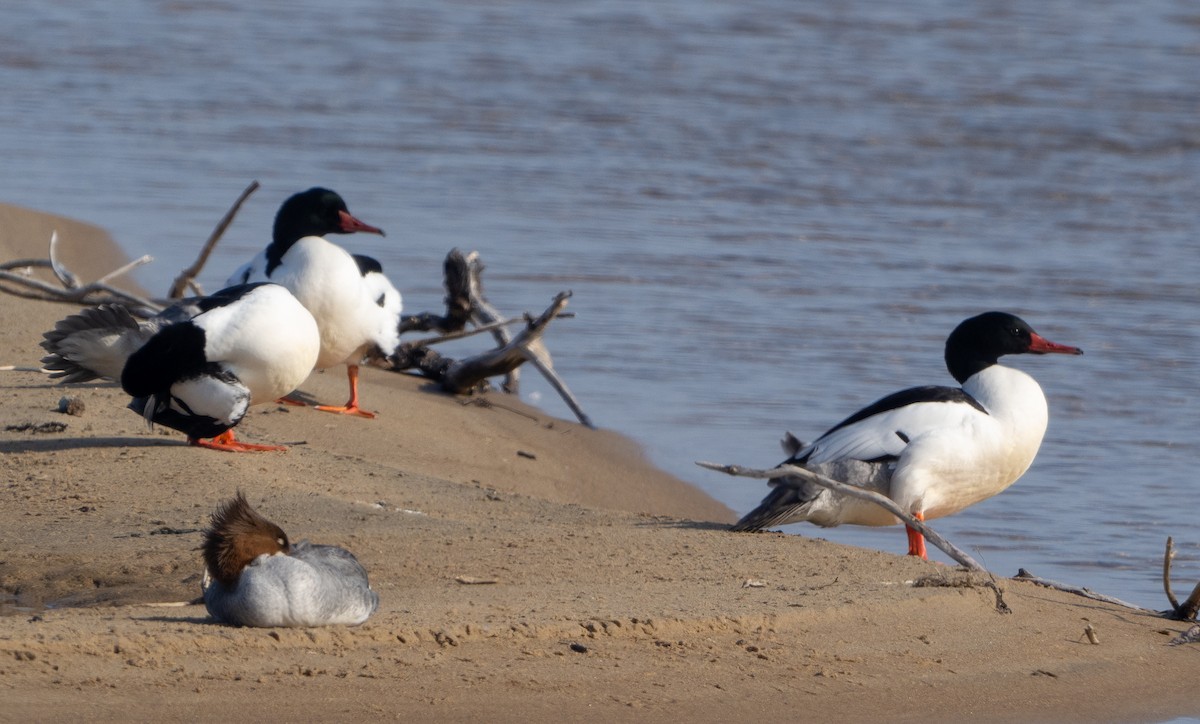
[{"x": 236, "y": 536}]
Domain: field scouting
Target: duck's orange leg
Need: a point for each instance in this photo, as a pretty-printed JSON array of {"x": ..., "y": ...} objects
[
  {"x": 916, "y": 541},
  {"x": 227, "y": 443},
  {"x": 351, "y": 407}
]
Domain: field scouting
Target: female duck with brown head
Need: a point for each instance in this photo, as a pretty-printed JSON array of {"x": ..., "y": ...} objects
[{"x": 255, "y": 576}]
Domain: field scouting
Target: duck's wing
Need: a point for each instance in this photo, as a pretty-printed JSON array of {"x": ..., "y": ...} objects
[
  {"x": 881, "y": 431},
  {"x": 342, "y": 593},
  {"x": 383, "y": 302}
]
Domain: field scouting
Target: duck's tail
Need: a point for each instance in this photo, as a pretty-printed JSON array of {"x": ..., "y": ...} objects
[
  {"x": 786, "y": 502},
  {"x": 94, "y": 343}
]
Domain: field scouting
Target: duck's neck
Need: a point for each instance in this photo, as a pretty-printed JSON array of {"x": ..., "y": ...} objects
[{"x": 1011, "y": 396}]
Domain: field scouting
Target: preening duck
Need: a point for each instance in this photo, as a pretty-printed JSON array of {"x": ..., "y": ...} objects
[
  {"x": 934, "y": 450},
  {"x": 255, "y": 576},
  {"x": 200, "y": 364},
  {"x": 357, "y": 309}
]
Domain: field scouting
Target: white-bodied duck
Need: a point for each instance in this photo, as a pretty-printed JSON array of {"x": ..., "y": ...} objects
[
  {"x": 357, "y": 309},
  {"x": 200, "y": 364},
  {"x": 255, "y": 576},
  {"x": 934, "y": 450}
]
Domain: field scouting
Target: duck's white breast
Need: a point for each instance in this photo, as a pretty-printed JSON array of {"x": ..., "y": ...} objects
[
  {"x": 325, "y": 279},
  {"x": 267, "y": 338}
]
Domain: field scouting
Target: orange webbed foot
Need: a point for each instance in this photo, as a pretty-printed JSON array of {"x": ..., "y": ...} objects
[
  {"x": 347, "y": 409},
  {"x": 226, "y": 443}
]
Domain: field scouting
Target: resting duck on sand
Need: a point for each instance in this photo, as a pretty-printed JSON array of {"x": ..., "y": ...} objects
[
  {"x": 197, "y": 366},
  {"x": 357, "y": 309},
  {"x": 256, "y": 577},
  {"x": 934, "y": 450}
]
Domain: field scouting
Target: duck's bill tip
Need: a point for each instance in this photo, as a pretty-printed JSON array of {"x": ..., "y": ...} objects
[{"x": 351, "y": 225}]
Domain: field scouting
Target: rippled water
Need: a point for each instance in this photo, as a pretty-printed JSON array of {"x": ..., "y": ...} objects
[{"x": 770, "y": 212}]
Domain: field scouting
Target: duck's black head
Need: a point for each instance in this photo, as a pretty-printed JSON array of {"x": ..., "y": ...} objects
[
  {"x": 315, "y": 212},
  {"x": 977, "y": 343}
]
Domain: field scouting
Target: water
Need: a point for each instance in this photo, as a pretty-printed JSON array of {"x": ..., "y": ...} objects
[{"x": 771, "y": 213}]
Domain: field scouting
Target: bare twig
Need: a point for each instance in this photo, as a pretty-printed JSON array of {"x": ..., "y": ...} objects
[
  {"x": 1168, "y": 556},
  {"x": 482, "y": 313},
  {"x": 97, "y": 292},
  {"x": 1190, "y": 607},
  {"x": 1024, "y": 575},
  {"x": 855, "y": 492},
  {"x": 540, "y": 358},
  {"x": 463, "y": 333},
  {"x": 140, "y": 261},
  {"x": 187, "y": 277},
  {"x": 68, "y": 280},
  {"x": 460, "y": 334},
  {"x": 1188, "y": 610}
]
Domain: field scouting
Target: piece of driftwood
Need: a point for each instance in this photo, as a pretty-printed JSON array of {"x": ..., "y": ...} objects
[
  {"x": 466, "y": 303},
  {"x": 71, "y": 291},
  {"x": 464, "y": 375},
  {"x": 1188, "y": 609},
  {"x": 456, "y": 273},
  {"x": 1024, "y": 575},
  {"x": 855, "y": 492},
  {"x": 187, "y": 278},
  {"x": 482, "y": 312},
  {"x": 1168, "y": 556}
]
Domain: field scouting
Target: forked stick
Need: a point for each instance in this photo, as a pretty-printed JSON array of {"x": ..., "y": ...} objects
[{"x": 187, "y": 278}]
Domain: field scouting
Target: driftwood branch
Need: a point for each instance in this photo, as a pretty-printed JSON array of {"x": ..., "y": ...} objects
[
  {"x": 464, "y": 333},
  {"x": 465, "y": 303},
  {"x": 23, "y": 284},
  {"x": 464, "y": 375},
  {"x": 187, "y": 278},
  {"x": 456, "y": 273},
  {"x": 1188, "y": 610},
  {"x": 482, "y": 313},
  {"x": 855, "y": 492},
  {"x": 503, "y": 360},
  {"x": 1024, "y": 575},
  {"x": 66, "y": 278},
  {"x": 1168, "y": 556}
]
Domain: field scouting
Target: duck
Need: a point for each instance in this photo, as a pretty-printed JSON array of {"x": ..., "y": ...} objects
[
  {"x": 255, "y": 576},
  {"x": 197, "y": 366},
  {"x": 356, "y": 307},
  {"x": 934, "y": 450}
]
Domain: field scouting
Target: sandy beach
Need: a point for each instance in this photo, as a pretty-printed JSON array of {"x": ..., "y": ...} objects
[{"x": 529, "y": 569}]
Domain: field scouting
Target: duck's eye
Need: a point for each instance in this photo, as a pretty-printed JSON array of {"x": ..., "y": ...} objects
[{"x": 1014, "y": 331}]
